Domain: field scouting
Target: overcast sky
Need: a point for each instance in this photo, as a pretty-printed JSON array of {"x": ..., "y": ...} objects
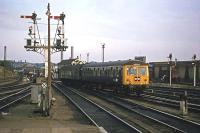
[{"x": 129, "y": 28}]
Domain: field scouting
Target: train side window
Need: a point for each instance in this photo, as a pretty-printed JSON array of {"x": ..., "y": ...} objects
[
  {"x": 114, "y": 73},
  {"x": 110, "y": 73}
]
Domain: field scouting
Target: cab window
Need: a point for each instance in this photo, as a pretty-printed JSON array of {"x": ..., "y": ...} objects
[
  {"x": 142, "y": 71},
  {"x": 132, "y": 71}
]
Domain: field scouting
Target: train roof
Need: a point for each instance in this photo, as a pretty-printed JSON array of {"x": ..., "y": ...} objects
[
  {"x": 114, "y": 63},
  {"x": 71, "y": 62}
]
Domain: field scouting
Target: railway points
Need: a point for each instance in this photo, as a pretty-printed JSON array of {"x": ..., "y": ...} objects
[
  {"x": 168, "y": 119},
  {"x": 175, "y": 122},
  {"x": 145, "y": 124}
]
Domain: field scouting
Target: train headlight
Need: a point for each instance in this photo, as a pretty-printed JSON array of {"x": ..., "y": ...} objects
[{"x": 137, "y": 78}]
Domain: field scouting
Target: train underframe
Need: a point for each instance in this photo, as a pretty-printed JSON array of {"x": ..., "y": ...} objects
[{"x": 116, "y": 88}]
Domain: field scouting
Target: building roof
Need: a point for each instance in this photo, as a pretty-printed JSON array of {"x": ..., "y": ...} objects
[{"x": 178, "y": 63}]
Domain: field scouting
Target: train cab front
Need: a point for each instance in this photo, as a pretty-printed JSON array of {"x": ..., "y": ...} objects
[{"x": 135, "y": 77}]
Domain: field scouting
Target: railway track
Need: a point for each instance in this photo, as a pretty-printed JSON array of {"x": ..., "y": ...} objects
[
  {"x": 4, "y": 91},
  {"x": 170, "y": 102},
  {"x": 171, "y": 99},
  {"x": 192, "y": 94},
  {"x": 177, "y": 123},
  {"x": 100, "y": 117},
  {"x": 13, "y": 86},
  {"x": 11, "y": 83},
  {"x": 14, "y": 97}
]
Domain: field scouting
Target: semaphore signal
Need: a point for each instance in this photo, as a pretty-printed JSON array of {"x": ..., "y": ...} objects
[{"x": 46, "y": 49}]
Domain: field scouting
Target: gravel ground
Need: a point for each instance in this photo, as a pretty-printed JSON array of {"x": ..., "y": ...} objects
[
  {"x": 191, "y": 116},
  {"x": 64, "y": 118}
]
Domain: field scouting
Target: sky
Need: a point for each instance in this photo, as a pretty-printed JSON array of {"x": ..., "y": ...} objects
[{"x": 129, "y": 28}]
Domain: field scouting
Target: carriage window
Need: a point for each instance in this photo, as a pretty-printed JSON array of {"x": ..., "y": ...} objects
[
  {"x": 132, "y": 71},
  {"x": 142, "y": 71},
  {"x": 111, "y": 68}
]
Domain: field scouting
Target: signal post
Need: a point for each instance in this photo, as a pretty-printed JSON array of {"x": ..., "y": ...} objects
[{"x": 35, "y": 44}]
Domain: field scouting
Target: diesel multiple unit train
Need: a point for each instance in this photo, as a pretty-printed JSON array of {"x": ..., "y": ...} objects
[{"x": 120, "y": 76}]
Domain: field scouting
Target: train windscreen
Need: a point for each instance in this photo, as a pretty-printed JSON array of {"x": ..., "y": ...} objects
[
  {"x": 132, "y": 71},
  {"x": 142, "y": 71}
]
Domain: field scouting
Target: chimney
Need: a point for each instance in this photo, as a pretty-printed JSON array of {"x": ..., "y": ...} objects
[
  {"x": 72, "y": 52},
  {"x": 88, "y": 57},
  {"x": 5, "y": 53}
]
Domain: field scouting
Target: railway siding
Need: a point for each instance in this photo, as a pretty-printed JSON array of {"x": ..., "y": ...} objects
[{"x": 179, "y": 124}]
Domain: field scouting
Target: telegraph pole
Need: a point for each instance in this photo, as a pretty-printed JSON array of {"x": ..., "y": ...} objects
[
  {"x": 4, "y": 63},
  {"x": 170, "y": 69},
  {"x": 103, "y": 47},
  {"x": 195, "y": 68},
  {"x": 49, "y": 59}
]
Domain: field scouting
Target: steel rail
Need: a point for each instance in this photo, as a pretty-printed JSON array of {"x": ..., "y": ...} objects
[
  {"x": 170, "y": 101},
  {"x": 16, "y": 99},
  {"x": 21, "y": 91},
  {"x": 178, "y": 123},
  {"x": 10, "y": 91},
  {"x": 14, "y": 86},
  {"x": 167, "y": 99},
  {"x": 9, "y": 84},
  {"x": 98, "y": 115}
]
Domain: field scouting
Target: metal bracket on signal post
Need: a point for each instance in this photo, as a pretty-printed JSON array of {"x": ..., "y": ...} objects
[{"x": 44, "y": 85}]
